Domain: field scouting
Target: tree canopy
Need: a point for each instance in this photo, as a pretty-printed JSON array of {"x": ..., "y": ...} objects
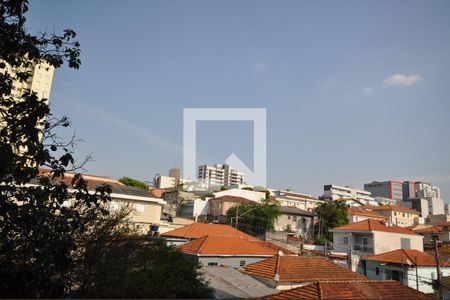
[
  {"x": 331, "y": 214},
  {"x": 255, "y": 218},
  {"x": 57, "y": 238},
  {"x": 133, "y": 182}
]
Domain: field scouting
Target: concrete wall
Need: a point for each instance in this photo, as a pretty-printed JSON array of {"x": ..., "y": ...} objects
[
  {"x": 250, "y": 195},
  {"x": 299, "y": 224},
  {"x": 385, "y": 242},
  {"x": 230, "y": 261}
]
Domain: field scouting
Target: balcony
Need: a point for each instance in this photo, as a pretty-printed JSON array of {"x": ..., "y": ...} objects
[{"x": 363, "y": 248}]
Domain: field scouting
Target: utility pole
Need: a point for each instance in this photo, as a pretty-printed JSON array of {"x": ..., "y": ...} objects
[
  {"x": 417, "y": 274},
  {"x": 438, "y": 269},
  {"x": 237, "y": 215}
]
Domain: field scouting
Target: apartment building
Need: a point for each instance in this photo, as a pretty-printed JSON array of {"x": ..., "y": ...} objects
[
  {"x": 164, "y": 182},
  {"x": 220, "y": 175},
  {"x": 336, "y": 192},
  {"x": 39, "y": 82},
  {"x": 429, "y": 206},
  {"x": 427, "y": 190},
  {"x": 396, "y": 214},
  {"x": 297, "y": 200}
]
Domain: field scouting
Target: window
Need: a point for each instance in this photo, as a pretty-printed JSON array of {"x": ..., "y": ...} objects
[
  {"x": 212, "y": 264},
  {"x": 294, "y": 218},
  {"x": 140, "y": 207},
  {"x": 242, "y": 263},
  {"x": 345, "y": 240},
  {"x": 405, "y": 243},
  {"x": 365, "y": 240},
  {"x": 377, "y": 271},
  {"x": 289, "y": 217}
]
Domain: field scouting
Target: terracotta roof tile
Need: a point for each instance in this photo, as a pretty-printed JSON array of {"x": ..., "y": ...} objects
[
  {"x": 231, "y": 198},
  {"x": 367, "y": 289},
  {"x": 198, "y": 230},
  {"x": 359, "y": 211},
  {"x": 300, "y": 269},
  {"x": 391, "y": 207},
  {"x": 226, "y": 245},
  {"x": 374, "y": 225},
  {"x": 406, "y": 257}
]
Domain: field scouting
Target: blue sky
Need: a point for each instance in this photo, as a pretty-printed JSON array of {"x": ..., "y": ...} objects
[{"x": 355, "y": 90}]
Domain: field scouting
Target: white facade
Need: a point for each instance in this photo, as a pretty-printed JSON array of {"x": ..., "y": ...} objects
[
  {"x": 383, "y": 201},
  {"x": 381, "y": 271},
  {"x": 164, "y": 182},
  {"x": 300, "y": 201},
  {"x": 250, "y": 195},
  {"x": 220, "y": 175},
  {"x": 336, "y": 192},
  {"x": 425, "y": 190}
]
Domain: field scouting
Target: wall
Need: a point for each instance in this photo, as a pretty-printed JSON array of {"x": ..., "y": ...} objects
[
  {"x": 424, "y": 274},
  {"x": 231, "y": 261},
  {"x": 385, "y": 242},
  {"x": 299, "y": 224},
  {"x": 338, "y": 246},
  {"x": 250, "y": 195}
]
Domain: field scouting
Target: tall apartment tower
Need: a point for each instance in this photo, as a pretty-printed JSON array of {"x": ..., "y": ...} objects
[
  {"x": 220, "y": 175},
  {"x": 39, "y": 82},
  {"x": 386, "y": 189}
]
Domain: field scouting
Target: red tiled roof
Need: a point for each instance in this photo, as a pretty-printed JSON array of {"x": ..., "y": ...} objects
[
  {"x": 431, "y": 229},
  {"x": 391, "y": 207},
  {"x": 274, "y": 247},
  {"x": 198, "y": 230},
  {"x": 359, "y": 211},
  {"x": 374, "y": 225},
  {"x": 367, "y": 289},
  {"x": 231, "y": 198},
  {"x": 226, "y": 245},
  {"x": 300, "y": 269},
  {"x": 406, "y": 257}
]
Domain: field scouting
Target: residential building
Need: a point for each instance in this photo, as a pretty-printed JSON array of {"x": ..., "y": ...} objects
[
  {"x": 197, "y": 209},
  {"x": 255, "y": 196},
  {"x": 175, "y": 173},
  {"x": 229, "y": 283},
  {"x": 218, "y": 207},
  {"x": 298, "y": 200},
  {"x": 175, "y": 200},
  {"x": 387, "y": 189},
  {"x": 371, "y": 237},
  {"x": 351, "y": 290},
  {"x": 383, "y": 201},
  {"x": 164, "y": 182},
  {"x": 145, "y": 209},
  {"x": 425, "y": 206},
  {"x": 439, "y": 219},
  {"x": 287, "y": 272},
  {"x": 411, "y": 267},
  {"x": 197, "y": 230},
  {"x": 359, "y": 213},
  {"x": 221, "y": 175},
  {"x": 225, "y": 250},
  {"x": 426, "y": 190},
  {"x": 396, "y": 214},
  {"x": 295, "y": 220},
  {"x": 447, "y": 209},
  {"x": 39, "y": 82},
  {"x": 336, "y": 192},
  {"x": 429, "y": 232}
]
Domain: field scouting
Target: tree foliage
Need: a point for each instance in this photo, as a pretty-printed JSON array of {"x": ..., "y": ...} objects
[
  {"x": 331, "y": 214},
  {"x": 255, "y": 218},
  {"x": 47, "y": 246},
  {"x": 133, "y": 182}
]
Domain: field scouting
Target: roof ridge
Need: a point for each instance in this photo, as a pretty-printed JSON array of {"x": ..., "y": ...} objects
[
  {"x": 203, "y": 243},
  {"x": 189, "y": 229},
  {"x": 409, "y": 257},
  {"x": 319, "y": 289}
]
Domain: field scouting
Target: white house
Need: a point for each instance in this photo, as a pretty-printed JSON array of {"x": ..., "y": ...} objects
[
  {"x": 405, "y": 265},
  {"x": 370, "y": 237}
]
